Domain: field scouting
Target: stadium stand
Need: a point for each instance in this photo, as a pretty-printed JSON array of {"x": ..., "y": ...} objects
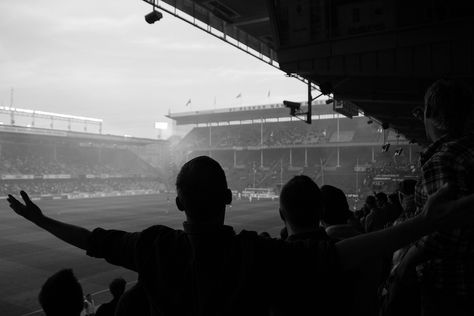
[
  {"x": 267, "y": 152},
  {"x": 60, "y": 164}
]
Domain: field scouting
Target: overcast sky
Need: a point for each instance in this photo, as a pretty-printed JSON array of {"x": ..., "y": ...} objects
[{"x": 101, "y": 59}]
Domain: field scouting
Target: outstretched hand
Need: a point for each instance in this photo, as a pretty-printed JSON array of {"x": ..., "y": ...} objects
[
  {"x": 443, "y": 210},
  {"x": 29, "y": 210}
]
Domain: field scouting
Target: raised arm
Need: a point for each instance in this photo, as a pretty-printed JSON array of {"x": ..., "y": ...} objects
[
  {"x": 74, "y": 235},
  {"x": 440, "y": 211}
]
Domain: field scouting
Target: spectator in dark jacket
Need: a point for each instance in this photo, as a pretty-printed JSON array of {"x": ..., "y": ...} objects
[
  {"x": 116, "y": 288},
  {"x": 208, "y": 269}
]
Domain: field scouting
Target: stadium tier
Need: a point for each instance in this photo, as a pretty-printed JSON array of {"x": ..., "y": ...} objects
[
  {"x": 268, "y": 150},
  {"x": 52, "y": 162}
]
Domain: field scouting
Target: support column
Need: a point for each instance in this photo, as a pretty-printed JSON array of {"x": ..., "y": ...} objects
[
  {"x": 291, "y": 157},
  {"x": 261, "y": 132},
  {"x": 338, "y": 163},
  {"x": 409, "y": 153},
  {"x": 373, "y": 154},
  {"x": 235, "y": 158},
  {"x": 306, "y": 157},
  {"x": 210, "y": 136},
  {"x": 261, "y": 158}
]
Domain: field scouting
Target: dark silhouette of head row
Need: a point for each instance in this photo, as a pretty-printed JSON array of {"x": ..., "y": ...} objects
[
  {"x": 336, "y": 208},
  {"x": 300, "y": 202},
  {"x": 202, "y": 190},
  {"x": 61, "y": 295}
]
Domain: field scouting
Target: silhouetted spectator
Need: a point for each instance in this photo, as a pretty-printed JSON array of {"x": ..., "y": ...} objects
[
  {"x": 445, "y": 259},
  {"x": 396, "y": 207},
  {"x": 62, "y": 295},
  {"x": 133, "y": 302},
  {"x": 116, "y": 288},
  {"x": 337, "y": 218},
  {"x": 406, "y": 193},
  {"x": 209, "y": 270},
  {"x": 378, "y": 217},
  {"x": 360, "y": 285},
  {"x": 301, "y": 208},
  {"x": 369, "y": 204}
]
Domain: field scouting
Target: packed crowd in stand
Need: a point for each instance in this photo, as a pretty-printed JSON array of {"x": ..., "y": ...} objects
[
  {"x": 58, "y": 169},
  {"x": 403, "y": 253},
  {"x": 68, "y": 186},
  {"x": 277, "y": 134},
  {"x": 72, "y": 159}
]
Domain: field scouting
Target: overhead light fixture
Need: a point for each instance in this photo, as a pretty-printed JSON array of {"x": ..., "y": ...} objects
[
  {"x": 153, "y": 16},
  {"x": 370, "y": 121},
  {"x": 329, "y": 101},
  {"x": 385, "y": 147}
]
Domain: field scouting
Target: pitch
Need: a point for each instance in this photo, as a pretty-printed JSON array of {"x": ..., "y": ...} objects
[{"x": 29, "y": 255}]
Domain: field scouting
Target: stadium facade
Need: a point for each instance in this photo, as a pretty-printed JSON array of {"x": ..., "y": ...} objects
[{"x": 261, "y": 147}]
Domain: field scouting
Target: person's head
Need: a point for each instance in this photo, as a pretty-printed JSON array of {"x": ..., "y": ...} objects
[
  {"x": 117, "y": 287},
  {"x": 370, "y": 202},
  {"x": 406, "y": 191},
  {"x": 336, "y": 208},
  {"x": 300, "y": 204},
  {"x": 394, "y": 200},
  {"x": 61, "y": 294},
  {"x": 381, "y": 199},
  {"x": 448, "y": 109},
  {"x": 202, "y": 190}
]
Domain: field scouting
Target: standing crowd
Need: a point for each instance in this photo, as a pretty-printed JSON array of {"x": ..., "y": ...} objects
[{"x": 410, "y": 253}]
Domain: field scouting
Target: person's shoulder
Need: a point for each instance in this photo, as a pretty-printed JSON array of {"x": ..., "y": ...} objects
[
  {"x": 158, "y": 233},
  {"x": 457, "y": 148},
  {"x": 159, "y": 229}
]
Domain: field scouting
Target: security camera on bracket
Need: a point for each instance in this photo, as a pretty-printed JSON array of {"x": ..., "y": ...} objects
[
  {"x": 293, "y": 106},
  {"x": 153, "y": 16}
]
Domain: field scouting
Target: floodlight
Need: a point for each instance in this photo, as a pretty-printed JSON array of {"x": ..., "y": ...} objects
[{"x": 153, "y": 16}]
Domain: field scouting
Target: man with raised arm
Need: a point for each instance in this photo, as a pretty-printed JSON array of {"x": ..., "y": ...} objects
[{"x": 208, "y": 269}]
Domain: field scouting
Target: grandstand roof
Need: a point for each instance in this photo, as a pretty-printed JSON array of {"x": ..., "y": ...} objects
[
  {"x": 244, "y": 113},
  {"x": 12, "y": 131},
  {"x": 380, "y": 55}
]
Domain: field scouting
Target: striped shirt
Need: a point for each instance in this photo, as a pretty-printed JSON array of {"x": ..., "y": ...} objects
[{"x": 451, "y": 266}]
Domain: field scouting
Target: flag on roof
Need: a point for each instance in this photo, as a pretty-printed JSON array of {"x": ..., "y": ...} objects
[{"x": 188, "y": 103}]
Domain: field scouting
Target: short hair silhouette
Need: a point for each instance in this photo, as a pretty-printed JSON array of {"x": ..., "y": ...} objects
[
  {"x": 370, "y": 201},
  {"x": 381, "y": 197},
  {"x": 202, "y": 188},
  {"x": 301, "y": 202},
  {"x": 61, "y": 295},
  {"x": 117, "y": 287},
  {"x": 450, "y": 103},
  {"x": 336, "y": 208}
]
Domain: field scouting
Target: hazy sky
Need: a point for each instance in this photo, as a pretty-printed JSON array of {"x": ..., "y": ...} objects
[{"x": 101, "y": 59}]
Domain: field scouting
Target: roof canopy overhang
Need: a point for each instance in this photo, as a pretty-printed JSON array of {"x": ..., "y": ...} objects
[{"x": 379, "y": 54}]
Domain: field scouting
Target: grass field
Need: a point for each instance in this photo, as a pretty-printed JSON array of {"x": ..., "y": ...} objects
[{"x": 29, "y": 255}]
